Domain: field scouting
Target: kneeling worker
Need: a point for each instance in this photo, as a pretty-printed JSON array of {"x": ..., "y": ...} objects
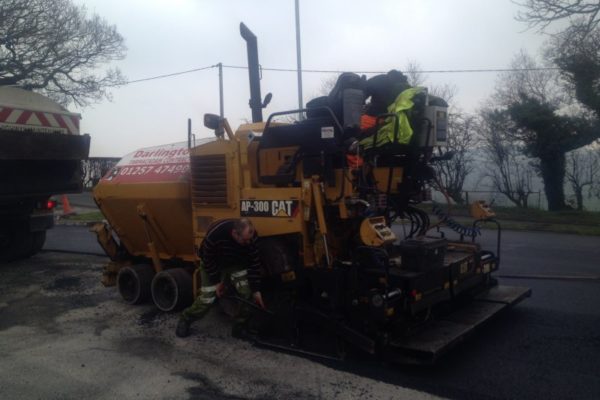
[{"x": 228, "y": 252}]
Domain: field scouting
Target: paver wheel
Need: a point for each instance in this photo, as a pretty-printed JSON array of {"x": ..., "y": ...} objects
[
  {"x": 172, "y": 289},
  {"x": 134, "y": 283}
]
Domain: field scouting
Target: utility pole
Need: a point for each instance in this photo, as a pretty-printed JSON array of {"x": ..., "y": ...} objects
[
  {"x": 299, "y": 59},
  {"x": 221, "y": 110}
]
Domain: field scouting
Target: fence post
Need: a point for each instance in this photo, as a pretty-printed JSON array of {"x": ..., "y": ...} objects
[{"x": 467, "y": 197}]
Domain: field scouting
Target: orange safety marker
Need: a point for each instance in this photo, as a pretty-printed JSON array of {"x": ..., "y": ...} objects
[{"x": 66, "y": 206}]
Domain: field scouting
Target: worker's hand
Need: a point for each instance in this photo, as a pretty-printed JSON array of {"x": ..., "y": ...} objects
[
  {"x": 259, "y": 300},
  {"x": 220, "y": 289}
]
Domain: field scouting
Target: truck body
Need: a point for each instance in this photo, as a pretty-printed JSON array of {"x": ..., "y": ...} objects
[{"x": 41, "y": 150}]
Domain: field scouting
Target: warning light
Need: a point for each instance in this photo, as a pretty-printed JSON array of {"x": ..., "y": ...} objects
[{"x": 50, "y": 204}]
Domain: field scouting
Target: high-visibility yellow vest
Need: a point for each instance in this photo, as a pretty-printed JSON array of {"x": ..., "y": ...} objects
[{"x": 400, "y": 106}]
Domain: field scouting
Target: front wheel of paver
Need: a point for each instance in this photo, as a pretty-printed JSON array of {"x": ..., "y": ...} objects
[
  {"x": 134, "y": 283},
  {"x": 172, "y": 289}
]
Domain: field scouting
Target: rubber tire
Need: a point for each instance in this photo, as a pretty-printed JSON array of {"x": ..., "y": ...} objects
[
  {"x": 172, "y": 289},
  {"x": 37, "y": 241},
  {"x": 15, "y": 241},
  {"x": 133, "y": 283}
]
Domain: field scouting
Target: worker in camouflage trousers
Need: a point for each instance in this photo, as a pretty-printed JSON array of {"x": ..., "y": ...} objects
[{"x": 228, "y": 253}]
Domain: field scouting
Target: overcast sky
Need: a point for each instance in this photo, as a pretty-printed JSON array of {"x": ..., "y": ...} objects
[{"x": 166, "y": 36}]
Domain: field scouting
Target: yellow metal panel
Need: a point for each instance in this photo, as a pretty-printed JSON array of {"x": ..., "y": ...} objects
[
  {"x": 481, "y": 210},
  {"x": 256, "y": 127},
  {"x": 251, "y": 149},
  {"x": 167, "y": 202},
  {"x": 381, "y": 177},
  {"x": 306, "y": 199},
  {"x": 272, "y": 159},
  {"x": 374, "y": 232},
  {"x": 271, "y": 226},
  {"x": 318, "y": 198}
]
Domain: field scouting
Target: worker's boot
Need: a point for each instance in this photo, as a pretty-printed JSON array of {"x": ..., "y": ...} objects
[
  {"x": 241, "y": 328},
  {"x": 183, "y": 328},
  {"x": 238, "y": 330}
]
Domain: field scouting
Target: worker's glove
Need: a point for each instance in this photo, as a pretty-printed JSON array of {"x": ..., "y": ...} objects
[
  {"x": 220, "y": 289},
  {"x": 258, "y": 299}
]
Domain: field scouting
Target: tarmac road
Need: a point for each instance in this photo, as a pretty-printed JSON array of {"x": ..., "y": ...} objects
[{"x": 62, "y": 335}]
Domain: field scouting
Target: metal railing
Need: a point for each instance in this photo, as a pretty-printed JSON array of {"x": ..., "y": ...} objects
[{"x": 534, "y": 198}]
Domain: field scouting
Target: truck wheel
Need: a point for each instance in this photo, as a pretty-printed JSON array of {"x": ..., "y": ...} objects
[
  {"x": 172, "y": 289},
  {"x": 134, "y": 282},
  {"x": 15, "y": 241},
  {"x": 37, "y": 241}
]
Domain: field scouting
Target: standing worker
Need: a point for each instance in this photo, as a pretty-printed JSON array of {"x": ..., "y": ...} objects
[{"x": 228, "y": 252}]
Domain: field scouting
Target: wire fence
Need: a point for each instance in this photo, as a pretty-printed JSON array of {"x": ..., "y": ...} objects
[
  {"x": 495, "y": 198},
  {"x": 535, "y": 199}
]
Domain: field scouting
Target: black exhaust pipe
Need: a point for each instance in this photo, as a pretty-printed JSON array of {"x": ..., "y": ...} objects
[{"x": 253, "y": 73}]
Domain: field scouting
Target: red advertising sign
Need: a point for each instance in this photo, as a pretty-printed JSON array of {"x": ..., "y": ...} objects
[{"x": 165, "y": 163}]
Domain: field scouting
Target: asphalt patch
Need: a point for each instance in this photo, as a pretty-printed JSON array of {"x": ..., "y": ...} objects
[
  {"x": 149, "y": 348},
  {"x": 41, "y": 310},
  {"x": 65, "y": 283},
  {"x": 208, "y": 390},
  {"x": 150, "y": 317},
  {"x": 101, "y": 327}
]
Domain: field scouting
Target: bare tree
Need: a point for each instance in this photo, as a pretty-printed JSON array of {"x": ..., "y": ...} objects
[
  {"x": 327, "y": 84},
  {"x": 94, "y": 168},
  {"x": 575, "y": 47},
  {"x": 508, "y": 170},
  {"x": 446, "y": 91},
  {"x": 416, "y": 77},
  {"x": 542, "y": 13},
  {"x": 583, "y": 170},
  {"x": 535, "y": 104},
  {"x": 577, "y": 54},
  {"x": 528, "y": 76},
  {"x": 462, "y": 139},
  {"x": 413, "y": 73},
  {"x": 53, "y": 47}
]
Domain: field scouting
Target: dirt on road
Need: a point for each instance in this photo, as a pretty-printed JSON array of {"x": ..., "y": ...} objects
[{"x": 64, "y": 336}]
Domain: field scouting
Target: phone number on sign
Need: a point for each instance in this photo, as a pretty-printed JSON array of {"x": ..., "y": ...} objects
[{"x": 161, "y": 169}]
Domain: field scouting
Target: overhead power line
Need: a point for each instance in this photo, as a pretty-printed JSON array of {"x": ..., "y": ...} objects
[
  {"x": 439, "y": 71},
  {"x": 324, "y": 71},
  {"x": 189, "y": 71}
]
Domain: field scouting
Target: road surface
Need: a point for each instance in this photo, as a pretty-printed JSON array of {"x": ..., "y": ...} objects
[{"x": 62, "y": 335}]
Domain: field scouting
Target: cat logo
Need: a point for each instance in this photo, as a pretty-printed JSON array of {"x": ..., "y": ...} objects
[{"x": 269, "y": 208}]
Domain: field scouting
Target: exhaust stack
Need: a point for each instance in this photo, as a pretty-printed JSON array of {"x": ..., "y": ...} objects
[{"x": 256, "y": 103}]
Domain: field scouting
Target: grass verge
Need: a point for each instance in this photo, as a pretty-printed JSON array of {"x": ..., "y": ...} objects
[
  {"x": 527, "y": 219},
  {"x": 91, "y": 216}
]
